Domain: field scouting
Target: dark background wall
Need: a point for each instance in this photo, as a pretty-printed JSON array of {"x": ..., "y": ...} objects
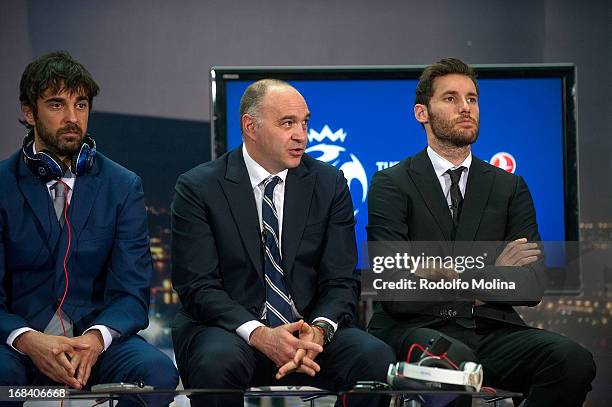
[{"x": 152, "y": 59}]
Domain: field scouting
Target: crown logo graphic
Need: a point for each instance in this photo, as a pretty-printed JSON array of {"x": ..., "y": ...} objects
[{"x": 326, "y": 133}]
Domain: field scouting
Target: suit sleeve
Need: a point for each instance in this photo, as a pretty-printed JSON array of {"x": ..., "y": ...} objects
[
  {"x": 522, "y": 223},
  {"x": 529, "y": 280},
  {"x": 387, "y": 211},
  {"x": 195, "y": 262},
  {"x": 130, "y": 269},
  {"x": 521, "y": 215},
  {"x": 338, "y": 282}
]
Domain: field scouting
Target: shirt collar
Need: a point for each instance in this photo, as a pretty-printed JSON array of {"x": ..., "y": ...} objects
[
  {"x": 441, "y": 164},
  {"x": 257, "y": 173}
]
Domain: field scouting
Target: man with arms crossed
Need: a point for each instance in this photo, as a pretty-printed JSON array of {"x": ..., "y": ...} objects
[
  {"x": 75, "y": 265},
  {"x": 264, "y": 258},
  {"x": 444, "y": 193}
]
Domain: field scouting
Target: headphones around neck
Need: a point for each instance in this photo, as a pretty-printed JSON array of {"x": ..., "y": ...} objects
[{"x": 48, "y": 166}]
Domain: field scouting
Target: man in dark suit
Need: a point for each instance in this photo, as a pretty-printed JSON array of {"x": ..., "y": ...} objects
[
  {"x": 264, "y": 259},
  {"x": 75, "y": 264},
  {"x": 445, "y": 194}
]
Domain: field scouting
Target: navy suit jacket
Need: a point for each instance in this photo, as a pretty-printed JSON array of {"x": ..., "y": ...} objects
[
  {"x": 217, "y": 251},
  {"x": 108, "y": 263}
]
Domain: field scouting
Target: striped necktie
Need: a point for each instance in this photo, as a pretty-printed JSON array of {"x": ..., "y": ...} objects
[{"x": 278, "y": 303}]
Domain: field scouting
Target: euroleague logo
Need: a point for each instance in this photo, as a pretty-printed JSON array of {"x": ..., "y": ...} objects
[
  {"x": 339, "y": 157},
  {"x": 505, "y": 161}
]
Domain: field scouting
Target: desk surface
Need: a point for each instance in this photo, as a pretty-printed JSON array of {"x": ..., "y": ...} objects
[{"x": 290, "y": 391}]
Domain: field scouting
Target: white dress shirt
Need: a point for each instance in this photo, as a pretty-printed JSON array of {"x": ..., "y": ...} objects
[
  {"x": 257, "y": 175},
  {"x": 441, "y": 165}
]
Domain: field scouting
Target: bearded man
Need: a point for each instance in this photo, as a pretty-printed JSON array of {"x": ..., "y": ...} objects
[
  {"x": 75, "y": 264},
  {"x": 445, "y": 194}
]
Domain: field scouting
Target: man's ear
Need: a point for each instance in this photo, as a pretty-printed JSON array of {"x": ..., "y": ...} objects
[
  {"x": 249, "y": 126},
  {"x": 28, "y": 114},
  {"x": 421, "y": 113}
]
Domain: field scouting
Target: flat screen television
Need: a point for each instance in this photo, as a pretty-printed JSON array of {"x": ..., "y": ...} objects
[{"x": 362, "y": 121}]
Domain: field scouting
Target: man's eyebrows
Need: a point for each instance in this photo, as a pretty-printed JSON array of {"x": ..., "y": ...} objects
[
  {"x": 294, "y": 117},
  {"x": 55, "y": 99},
  {"x": 63, "y": 99},
  {"x": 454, "y": 92}
]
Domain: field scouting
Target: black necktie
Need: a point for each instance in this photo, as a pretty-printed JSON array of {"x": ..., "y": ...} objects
[
  {"x": 455, "y": 193},
  {"x": 278, "y": 304},
  {"x": 456, "y": 204}
]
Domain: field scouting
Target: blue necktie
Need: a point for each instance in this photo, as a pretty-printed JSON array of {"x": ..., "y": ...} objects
[{"x": 278, "y": 304}]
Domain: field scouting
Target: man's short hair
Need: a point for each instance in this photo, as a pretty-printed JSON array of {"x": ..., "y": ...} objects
[
  {"x": 446, "y": 66},
  {"x": 55, "y": 71},
  {"x": 250, "y": 102}
]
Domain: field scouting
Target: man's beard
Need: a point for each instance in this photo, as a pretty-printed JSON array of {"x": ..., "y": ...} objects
[
  {"x": 56, "y": 143},
  {"x": 445, "y": 131}
]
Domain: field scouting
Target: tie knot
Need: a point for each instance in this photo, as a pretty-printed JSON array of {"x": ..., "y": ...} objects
[
  {"x": 269, "y": 185},
  {"x": 455, "y": 175},
  {"x": 60, "y": 188}
]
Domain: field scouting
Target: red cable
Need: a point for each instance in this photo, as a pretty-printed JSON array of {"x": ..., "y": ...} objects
[
  {"x": 59, "y": 308},
  {"x": 414, "y": 345},
  {"x": 425, "y": 351},
  {"x": 490, "y": 390}
]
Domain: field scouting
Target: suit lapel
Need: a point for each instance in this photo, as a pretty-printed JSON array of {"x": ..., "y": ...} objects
[
  {"x": 477, "y": 192},
  {"x": 86, "y": 189},
  {"x": 239, "y": 194},
  {"x": 422, "y": 173},
  {"x": 298, "y": 195},
  {"x": 37, "y": 196}
]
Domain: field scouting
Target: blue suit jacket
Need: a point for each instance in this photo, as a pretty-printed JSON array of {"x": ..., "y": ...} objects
[{"x": 109, "y": 262}]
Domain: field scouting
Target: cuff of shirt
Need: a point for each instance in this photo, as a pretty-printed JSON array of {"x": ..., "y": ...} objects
[
  {"x": 108, "y": 334},
  {"x": 329, "y": 321},
  {"x": 245, "y": 330},
  {"x": 14, "y": 334}
]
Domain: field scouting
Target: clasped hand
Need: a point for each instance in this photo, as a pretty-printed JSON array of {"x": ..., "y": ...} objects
[
  {"x": 63, "y": 360},
  {"x": 289, "y": 353}
]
